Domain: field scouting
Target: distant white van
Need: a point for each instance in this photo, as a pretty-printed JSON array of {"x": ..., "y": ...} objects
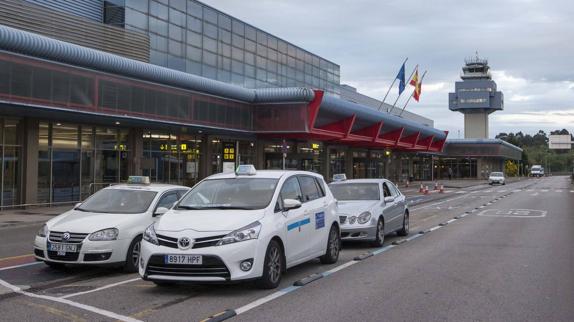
[{"x": 537, "y": 171}]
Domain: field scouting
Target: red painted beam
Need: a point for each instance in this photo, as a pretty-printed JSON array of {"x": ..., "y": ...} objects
[
  {"x": 314, "y": 106},
  {"x": 392, "y": 137},
  {"x": 372, "y": 131},
  {"x": 410, "y": 141},
  {"x": 343, "y": 126},
  {"x": 426, "y": 142}
]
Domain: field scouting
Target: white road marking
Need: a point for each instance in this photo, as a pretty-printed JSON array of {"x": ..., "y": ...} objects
[
  {"x": 503, "y": 190},
  {"x": 571, "y": 190},
  {"x": 434, "y": 228},
  {"x": 534, "y": 194},
  {"x": 448, "y": 222},
  {"x": 438, "y": 203},
  {"x": 101, "y": 288},
  {"x": 487, "y": 190},
  {"x": 558, "y": 190},
  {"x": 18, "y": 266},
  {"x": 89, "y": 308},
  {"x": 544, "y": 190},
  {"x": 265, "y": 299},
  {"x": 530, "y": 190},
  {"x": 513, "y": 213}
]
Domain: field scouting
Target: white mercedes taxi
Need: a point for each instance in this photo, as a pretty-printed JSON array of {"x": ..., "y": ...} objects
[
  {"x": 369, "y": 209},
  {"x": 107, "y": 227},
  {"x": 247, "y": 225}
]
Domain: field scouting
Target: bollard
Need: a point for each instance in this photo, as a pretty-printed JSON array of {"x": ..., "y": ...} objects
[
  {"x": 426, "y": 190},
  {"x": 441, "y": 190},
  {"x": 421, "y": 189},
  {"x": 436, "y": 186}
]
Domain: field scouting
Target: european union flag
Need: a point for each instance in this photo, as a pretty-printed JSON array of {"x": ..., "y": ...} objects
[{"x": 401, "y": 78}]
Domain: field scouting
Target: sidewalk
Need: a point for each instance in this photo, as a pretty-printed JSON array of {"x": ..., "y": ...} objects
[{"x": 12, "y": 217}]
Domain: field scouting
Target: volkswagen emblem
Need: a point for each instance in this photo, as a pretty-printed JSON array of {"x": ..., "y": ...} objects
[
  {"x": 66, "y": 236},
  {"x": 185, "y": 242}
]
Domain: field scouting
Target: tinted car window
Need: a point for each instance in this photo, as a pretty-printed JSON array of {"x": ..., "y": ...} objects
[
  {"x": 386, "y": 190},
  {"x": 291, "y": 189},
  {"x": 355, "y": 191},
  {"x": 321, "y": 187},
  {"x": 309, "y": 188},
  {"x": 168, "y": 200}
]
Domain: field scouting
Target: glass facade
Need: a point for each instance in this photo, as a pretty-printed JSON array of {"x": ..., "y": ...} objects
[
  {"x": 10, "y": 159},
  {"x": 76, "y": 160},
  {"x": 189, "y": 36}
]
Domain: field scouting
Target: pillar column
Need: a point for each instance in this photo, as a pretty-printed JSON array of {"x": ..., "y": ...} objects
[
  {"x": 28, "y": 137},
  {"x": 135, "y": 144}
]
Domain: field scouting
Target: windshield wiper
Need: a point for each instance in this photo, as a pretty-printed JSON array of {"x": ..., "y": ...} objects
[{"x": 81, "y": 209}]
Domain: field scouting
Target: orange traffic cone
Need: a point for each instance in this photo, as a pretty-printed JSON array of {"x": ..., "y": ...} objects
[
  {"x": 436, "y": 186},
  {"x": 441, "y": 190},
  {"x": 426, "y": 190},
  {"x": 421, "y": 189}
]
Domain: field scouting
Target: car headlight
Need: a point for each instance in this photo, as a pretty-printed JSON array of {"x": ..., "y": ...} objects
[
  {"x": 250, "y": 231},
  {"x": 364, "y": 217},
  {"x": 43, "y": 232},
  {"x": 150, "y": 236},
  {"x": 104, "y": 234}
]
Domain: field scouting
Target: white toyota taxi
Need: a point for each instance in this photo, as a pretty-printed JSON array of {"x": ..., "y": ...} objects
[
  {"x": 248, "y": 225},
  {"x": 107, "y": 227}
]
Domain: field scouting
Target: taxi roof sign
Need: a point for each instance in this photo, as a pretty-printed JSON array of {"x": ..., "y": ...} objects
[
  {"x": 138, "y": 180},
  {"x": 339, "y": 177},
  {"x": 246, "y": 170}
]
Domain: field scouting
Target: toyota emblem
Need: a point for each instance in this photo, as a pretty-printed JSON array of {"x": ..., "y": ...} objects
[
  {"x": 66, "y": 236},
  {"x": 185, "y": 242}
]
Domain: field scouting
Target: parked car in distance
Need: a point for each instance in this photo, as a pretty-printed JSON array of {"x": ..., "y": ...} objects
[
  {"x": 537, "y": 171},
  {"x": 107, "y": 228},
  {"x": 369, "y": 209},
  {"x": 247, "y": 225},
  {"x": 496, "y": 177}
]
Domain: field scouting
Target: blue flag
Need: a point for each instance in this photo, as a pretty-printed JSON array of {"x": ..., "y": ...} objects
[{"x": 401, "y": 78}]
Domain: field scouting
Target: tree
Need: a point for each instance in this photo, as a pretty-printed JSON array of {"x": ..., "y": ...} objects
[{"x": 510, "y": 168}]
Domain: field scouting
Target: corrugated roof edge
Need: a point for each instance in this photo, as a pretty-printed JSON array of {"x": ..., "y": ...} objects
[{"x": 483, "y": 141}]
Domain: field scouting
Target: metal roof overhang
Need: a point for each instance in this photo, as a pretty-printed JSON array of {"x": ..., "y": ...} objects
[{"x": 338, "y": 121}]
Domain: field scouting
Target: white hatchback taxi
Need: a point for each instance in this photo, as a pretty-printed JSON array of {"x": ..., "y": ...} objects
[
  {"x": 107, "y": 228},
  {"x": 369, "y": 209},
  {"x": 248, "y": 225}
]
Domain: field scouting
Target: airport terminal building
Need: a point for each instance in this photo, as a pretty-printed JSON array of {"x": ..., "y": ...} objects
[{"x": 91, "y": 92}]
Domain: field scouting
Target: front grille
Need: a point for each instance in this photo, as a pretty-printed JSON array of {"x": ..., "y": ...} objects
[
  {"x": 75, "y": 238},
  {"x": 199, "y": 242},
  {"x": 38, "y": 252},
  {"x": 69, "y": 257},
  {"x": 345, "y": 234},
  {"x": 342, "y": 219},
  {"x": 212, "y": 266},
  {"x": 207, "y": 241},
  {"x": 167, "y": 241}
]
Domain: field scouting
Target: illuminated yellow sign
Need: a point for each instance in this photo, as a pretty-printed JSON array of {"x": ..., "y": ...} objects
[{"x": 315, "y": 146}]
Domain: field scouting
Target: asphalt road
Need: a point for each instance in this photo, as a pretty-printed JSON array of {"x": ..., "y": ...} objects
[{"x": 496, "y": 263}]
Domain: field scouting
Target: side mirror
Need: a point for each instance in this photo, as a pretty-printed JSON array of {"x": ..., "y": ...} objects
[
  {"x": 289, "y": 204},
  {"x": 160, "y": 211},
  {"x": 389, "y": 199},
  {"x": 77, "y": 205}
]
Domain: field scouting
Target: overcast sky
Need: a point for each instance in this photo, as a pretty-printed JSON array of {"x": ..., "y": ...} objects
[{"x": 529, "y": 45}]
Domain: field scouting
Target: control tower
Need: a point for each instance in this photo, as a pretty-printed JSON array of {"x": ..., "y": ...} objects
[{"x": 476, "y": 97}]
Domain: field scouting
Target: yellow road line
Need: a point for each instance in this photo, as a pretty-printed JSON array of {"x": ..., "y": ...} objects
[{"x": 15, "y": 257}]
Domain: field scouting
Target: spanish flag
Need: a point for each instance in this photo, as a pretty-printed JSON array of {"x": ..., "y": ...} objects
[{"x": 417, "y": 84}]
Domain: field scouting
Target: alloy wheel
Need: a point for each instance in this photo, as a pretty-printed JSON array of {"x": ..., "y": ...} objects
[
  {"x": 334, "y": 243},
  {"x": 136, "y": 253},
  {"x": 274, "y": 265}
]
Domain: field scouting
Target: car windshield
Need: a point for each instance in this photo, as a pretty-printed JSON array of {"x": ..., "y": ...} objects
[
  {"x": 356, "y": 191},
  {"x": 536, "y": 168},
  {"x": 232, "y": 193},
  {"x": 118, "y": 201},
  {"x": 496, "y": 174}
]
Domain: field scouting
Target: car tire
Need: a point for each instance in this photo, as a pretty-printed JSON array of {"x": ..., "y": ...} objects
[
  {"x": 273, "y": 266},
  {"x": 333, "y": 247},
  {"x": 379, "y": 234},
  {"x": 133, "y": 255},
  {"x": 54, "y": 265},
  {"x": 504, "y": 183},
  {"x": 405, "y": 230}
]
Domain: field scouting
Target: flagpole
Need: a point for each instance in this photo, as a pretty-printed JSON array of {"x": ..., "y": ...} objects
[
  {"x": 409, "y": 79},
  {"x": 393, "y": 83},
  {"x": 407, "y": 102}
]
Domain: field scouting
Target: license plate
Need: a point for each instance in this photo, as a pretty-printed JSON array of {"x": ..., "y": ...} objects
[
  {"x": 183, "y": 259},
  {"x": 62, "y": 249}
]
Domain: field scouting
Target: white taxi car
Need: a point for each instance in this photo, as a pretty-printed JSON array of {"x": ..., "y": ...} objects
[
  {"x": 248, "y": 225},
  {"x": 107, "y": 227},
  {"x": 369, "y": 209},
  {"x": 496, "y": 177}
]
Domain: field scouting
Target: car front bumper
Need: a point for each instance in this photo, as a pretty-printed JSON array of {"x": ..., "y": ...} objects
[
  {"x": 358, "y": 232},
  {"x": 220, "y": 263},
  {"x": 90, "y": 252}
]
